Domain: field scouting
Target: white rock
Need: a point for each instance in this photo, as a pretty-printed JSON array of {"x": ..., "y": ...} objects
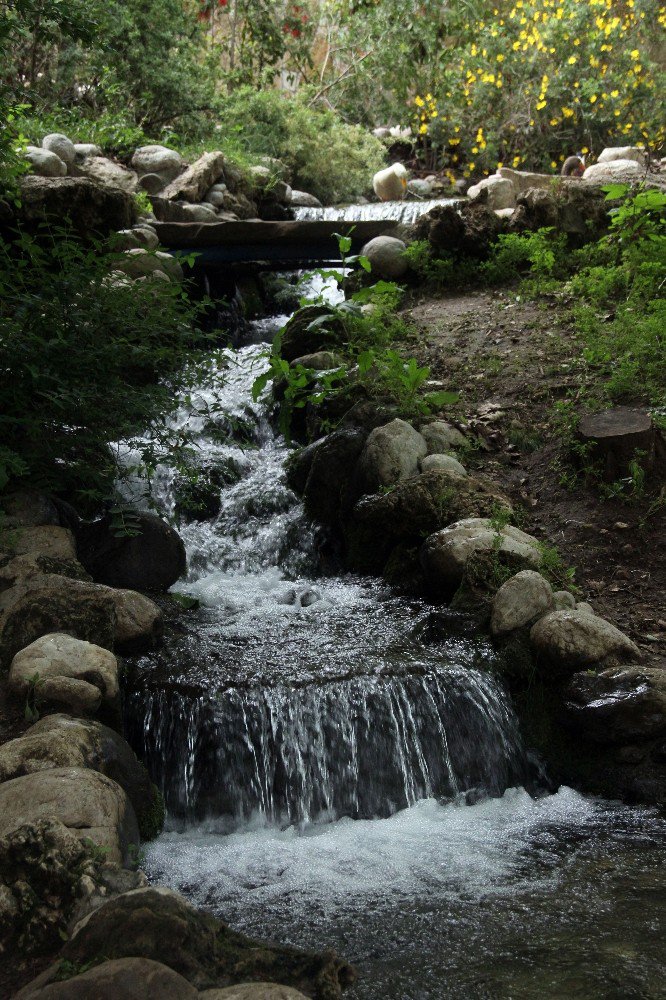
[
  {"x": 386, "y": 256},
  {"x": 612, "y": 153},
  {"x": 421, "y": 188},
  {"x": 166, "y": 163},
  {"x": 621, "y": 171},
  {"x": 45, "y": 163},
  {"x": 501, "y": 193},
  {"x": 570, "y": 640},
  {"x": 85, "y": 149},
  {"x": 390, "y": 184},
  {"x": 108, "y": 173},
  {"x": 443, "y": 463},
  {"x": 61, "y": 146},
  {"x": 523, "y": 180},
  {"x": 65, "y": 671},
  {"x": 520, "y": 600}
]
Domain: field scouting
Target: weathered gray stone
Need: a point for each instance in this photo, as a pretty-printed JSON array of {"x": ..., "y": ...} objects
[
  {"x": 301, "y": 199},
  {"x": 523, "y": 180},
  {"x": 320, "y": 361},
  {"x": 619, "y": 705},
  {"x": 622, "y": 171},
  {"x": 446, "y": 553},
  {"x": 29, "y": 510},
  {"x": 106, "y": 172},
  {"x": 139, "y": 263},
  {"x": 519, "y": 601},
  {"x": 387, "y": 257},
  {"x": 443, "y": 463},
  {"x": 134, "y": 239},
  {"x": 85, "y": 149},
  {"x": 496, "y": 192},
  {"x": 253, "y": 991},
  {"x": 153, "y": 559},
  {"x": 59, "y": 670},
  {"x": 88, "y": 803},
  {"x": 193, "y": 184},
  {"x": 614, "y": 153},
  {"x": 61, "y": 146},
  {"x": 91, "y": 207},
  {"x": 46, "y": 548},
  {"x": 563, "y": 600},
  {"x": 391, "y": 453},
  {"x": 568, "y": 640},
  {"x": 139, "y": 622},
  {"x": 161, "y": 160},
  {"x": 442, "y": 437},
  {"x": 119, "y": 979},
  {"x": 45, "y": 163}
]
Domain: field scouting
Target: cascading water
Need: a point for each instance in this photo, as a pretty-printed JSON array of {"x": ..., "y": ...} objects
[
  {"x": 405, "y": 212},
  {"x": 314, "y": 737}
]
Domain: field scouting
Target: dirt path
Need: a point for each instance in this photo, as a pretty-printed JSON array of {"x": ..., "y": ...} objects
[{"x": 513, "y": 361}]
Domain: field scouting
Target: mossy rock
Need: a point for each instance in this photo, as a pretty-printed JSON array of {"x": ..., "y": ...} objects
[{"x": 298, "y": 339}]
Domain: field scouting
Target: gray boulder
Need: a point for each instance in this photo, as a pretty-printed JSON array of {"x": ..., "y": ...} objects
[
  {"x": 25, "y": 509},
  {"x": 614, "y": 153},
  {"x": 563, "y": 600},
  {"x": 90, "y": 206},
  {"x": 442, "y": 437},
  {"x": 153, "y": 559},
  {"x": 120, "y": 979},
  {"x": 45, "y": 163},
  {"x": 386, "y": 256},
  {"x": 613, "y": 171},
  {"x": 139, "y": 622},
  {"x": 443, "y": 463},
  {"x": 519, "y": 601},
  {"x": 523, "y": 180},
  {"x": 45, "y": 548},
  {"x": 85, "y": 149},
  {"x": 58, "y": 670},
  {"x": 391, "y": 453},
  {"x": 320, "y": 361},
  {"x": 107, "y": 172},
  {"x": 86, "y": 802},
  {"x": 569, "y": 640},
  {"x": 62, "y": 741},
  {"x": 166, "y": 163},
  {"x": 61, "y": 146},
  {"x": 253, "y": 991},
  {"x": 136, "y": 238},
  {"x": 47, "y": 603},
  {"x": 496, "y": 192},
  {"x": 194, "y": 182},
  {"x": 139, "y": 263},
  {"x": 446, "y": 554},
  {"x": 301, "y": 199}
]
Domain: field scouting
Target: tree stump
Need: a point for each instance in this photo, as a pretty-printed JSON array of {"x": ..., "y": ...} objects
[{"x": 619, "y": 437}]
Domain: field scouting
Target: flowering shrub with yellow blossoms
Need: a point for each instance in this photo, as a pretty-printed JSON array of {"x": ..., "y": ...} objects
[{"x": 541, "y": 79}]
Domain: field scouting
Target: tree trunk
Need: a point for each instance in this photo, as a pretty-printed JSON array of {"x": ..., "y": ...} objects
[{"x": 619, "y": 437}]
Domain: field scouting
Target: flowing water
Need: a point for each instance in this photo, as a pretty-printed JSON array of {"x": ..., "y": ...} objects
[
  {"x": 342, "y": 769},
  {"x": 405, "y": 212}
]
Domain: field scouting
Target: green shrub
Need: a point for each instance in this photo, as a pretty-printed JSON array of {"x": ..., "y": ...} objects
[{"x": 86, "y": 360}]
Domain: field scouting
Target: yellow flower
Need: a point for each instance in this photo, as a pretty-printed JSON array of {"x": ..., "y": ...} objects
[
  {"x": 634, "y": 54},
  {"x": 419, "y": 102},
  {"x": 593, "y": 98},
  {"x": 423, "y": 129},
  {"x": 516, "y": 161},
  {"x": 572, "y": 59},
  {"x": 553, "y": 165},
  {"x": 541, "y": 105},
  {"x": 567, "y": 112}
]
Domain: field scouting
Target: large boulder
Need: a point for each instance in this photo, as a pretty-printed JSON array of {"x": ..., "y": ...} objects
[
  {"x": 442, "y": 437},
  {"x": 311, "y": 329},
  {"x": 58, "y": 670},
  {"x": 44, "y": 163},
  {"x": 108, "y": 173},
  {"x": 45, "y": 548},
  {"x": 63, "y": 147},
  {"x": 330, "y": 475},
  {"x": 569, "y": 640},
  {"x": 85, "y": 149},
  {"x": 194, "y": 182},
  {"x": 182, "y": 211},
  {"x": 44, "y": 603},
  {"x": 25, "y": 509},
  {"x": 253, "y": 991},
  {"x": 62, "y": 741},
  {"x": 136, "y": 238},
  {"x": 523, "y": 180},
  {"x": 86, "y": 802},
  {"x": 120, "y": 979},
  {"x": 139, "y": 263},
  {"x": 614, "y": 171},
  {"x": 574, "y": 209},
  {"x": 619, "y": 705},
  {"x": 495, "y": 192},
  {"x": 613, "y": 153},
  {"x": 152, "y": 559},
  {"x": 139, "y": 622},
  {"x": 391, "y": 453},
  {"x": 301, "y": 199},
  {"x": 91, "y": 207},
  {"x": 522, "y": 599},
  {"x": 443, "y": 463},
  {"x": 160, "y": 925},
  {"x": 447, "y": 554},
  {"x": 412, "y": 510},
  {"x": 166, "y": 163},
  {"x": 387, "y": 257}
]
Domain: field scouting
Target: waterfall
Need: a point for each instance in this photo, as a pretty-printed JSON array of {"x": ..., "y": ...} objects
[{"x": 406, "y": 212}]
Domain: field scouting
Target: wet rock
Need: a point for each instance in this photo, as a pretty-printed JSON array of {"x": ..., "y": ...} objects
[
  {"x": 301, "y": 337},
  {"x": 166, "y": 163},
  {"x": 160, "y": 925},
  {"x": 91, "y": 207},
  {"x": 153, "y": 559},
  {"x": 108, "y": 173},
  {"x": 45, "y": 548},
  {"x": 387, "y": 257},
  {"x": 414, "y": 509},
  {"x": 44, "y": 163},
  {"x": 443, "y": 463},
  {"x": 568, "y": 640},
  {"x": 618, "y": 705},
  {"x": 59, "y": 741},
  {"x": 307, "y": 597},
  {"x": 563, "y": 600},
  {"x": 441, "y": 437},
  {"x": 446, "y": 555},
  {"x": 329, "y": 473},
  {"x": 46, "y": 603},
  {"x": 151, "y": 184},
  {"x": 194, "y": 182},
  {"x": 522, "y": 599},
  {"x": 391, "y": 453},
  {"x": 61, "y": 146},
  {"x": 121, "y": 979},
  {"x": 495, "y": 192},
  {"x": 90, "y": 804},
  {"x": 139, "y": 622},
  {"x": 59, "y": 671},
  {"x": 321, "y": 361}
]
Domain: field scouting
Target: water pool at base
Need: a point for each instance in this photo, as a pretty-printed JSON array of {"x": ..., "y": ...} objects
[{"x": 560, "y": 897}]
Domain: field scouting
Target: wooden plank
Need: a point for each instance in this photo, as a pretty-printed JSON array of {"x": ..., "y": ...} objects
[{"x": 258, "y": 234}]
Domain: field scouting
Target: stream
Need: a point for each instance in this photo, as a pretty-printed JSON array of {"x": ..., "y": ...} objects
[{"x": 342, "y": 769}]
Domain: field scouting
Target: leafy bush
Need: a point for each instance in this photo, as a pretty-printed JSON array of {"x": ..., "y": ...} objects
[
  {"x": 330, "y": 159},
  {"x": 86, "y": 360}
]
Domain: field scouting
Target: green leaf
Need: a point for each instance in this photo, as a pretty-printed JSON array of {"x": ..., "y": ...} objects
[{"x": 442, "y": 398}]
